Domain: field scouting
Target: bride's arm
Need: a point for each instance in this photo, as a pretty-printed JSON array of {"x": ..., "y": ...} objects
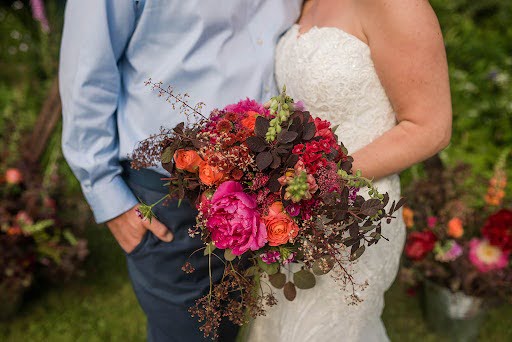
[{"x": 408, "y": 52}]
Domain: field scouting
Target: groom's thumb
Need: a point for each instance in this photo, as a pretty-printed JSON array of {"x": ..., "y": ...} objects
[{"x": 159, "y": 230}]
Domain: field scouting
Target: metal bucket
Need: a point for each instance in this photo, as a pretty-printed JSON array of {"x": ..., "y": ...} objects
[{"x": 454, "y": 315}]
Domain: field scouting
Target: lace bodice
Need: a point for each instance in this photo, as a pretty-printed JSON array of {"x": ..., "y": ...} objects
[{"x": 332, "y": 72}]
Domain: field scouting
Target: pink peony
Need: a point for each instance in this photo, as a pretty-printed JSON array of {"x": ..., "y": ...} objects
[
  {"x": 234, "y": 221},
  {"x": 486, "y": 257}
]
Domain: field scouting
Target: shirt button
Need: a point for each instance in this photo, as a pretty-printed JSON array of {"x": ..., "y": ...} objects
[{"x": 259, "y": 41}]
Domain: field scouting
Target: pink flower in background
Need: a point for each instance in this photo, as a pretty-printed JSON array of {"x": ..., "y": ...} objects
[
  {"x": 234, "y": 221},
  {"x": 450, "y": 251},
  {"x": 431, "y": 221},
  {"x": 270, "y": 257},
  {"x": 39, "y": 14},
  {"x": 486, "y": 257}
]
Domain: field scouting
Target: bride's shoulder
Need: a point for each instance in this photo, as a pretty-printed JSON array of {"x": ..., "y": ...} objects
[
  {"x": 397, "y": 18},
  {"x": 395, "y": 12}
]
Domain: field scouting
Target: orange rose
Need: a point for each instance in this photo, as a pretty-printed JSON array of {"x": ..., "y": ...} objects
[
  {"x": 455, "y": 228},
  {"x": 408, "y": 216},
  {"x": 187, "y": 160},
  {"x": 208, "y": 174},
  {"x": 250, "y": 121},
  {"x": 280, "y": 226}
]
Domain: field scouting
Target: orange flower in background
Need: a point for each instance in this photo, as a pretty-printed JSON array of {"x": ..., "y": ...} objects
[
  {"x": 208, "y": 174},
  {"x": 496, "y": 190},
  {"x": 408, "y": 216},
  {"x": 455, "y": 228},
  {"x": 187, "y": 160},
  {"x": 280, "y": 226},
  {"x": 250, "y": 121}
]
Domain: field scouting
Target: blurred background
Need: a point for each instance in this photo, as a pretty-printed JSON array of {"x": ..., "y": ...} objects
[{"x": 63, "y": 278}]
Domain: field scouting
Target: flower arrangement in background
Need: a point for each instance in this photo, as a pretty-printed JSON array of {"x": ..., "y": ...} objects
[
  {"x": 459, "y": 238},
  {"x": 33, "y": 241},
  {"x": 272, "y": 186}
]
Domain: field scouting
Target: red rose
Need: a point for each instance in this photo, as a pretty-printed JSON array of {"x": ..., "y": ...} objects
[
  {"x": 419, "y": 244},
  {"x": 498, "y": 230}
]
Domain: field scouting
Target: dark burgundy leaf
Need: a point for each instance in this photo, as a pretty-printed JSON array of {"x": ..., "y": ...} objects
[
  {"x": 309, "y": 131},
  {"x": 400, "y": 203},
  {"x": 273, "y": 183},
  {"x": 263, "y": 160},
  {"x": 276, "y": 160},
  {"x": 286, "y": 136},
  {"x": 179, "y": 128},
  {"x": 292, "y": 160},
  {"x": 261, "y": 126},
  {"x": 371, "y": 207},
  {"x": 353, "y": 229},
  {"x": 256, "y": 144},
  {"x": 169, "y": 167},
  {"x": 289, "y": 291}
]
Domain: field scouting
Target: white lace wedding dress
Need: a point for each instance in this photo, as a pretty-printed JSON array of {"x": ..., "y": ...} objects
[{"x": 332, "y": 72}]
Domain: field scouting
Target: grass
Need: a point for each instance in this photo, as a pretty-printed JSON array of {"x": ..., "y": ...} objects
[{"x": 102, "y": 307}]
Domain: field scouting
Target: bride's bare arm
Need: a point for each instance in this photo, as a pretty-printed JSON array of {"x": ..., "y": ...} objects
[{"x": 409, "y": 55}]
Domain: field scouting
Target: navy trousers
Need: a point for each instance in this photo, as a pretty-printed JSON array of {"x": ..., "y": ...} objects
[{"x": 163, "y": 290}]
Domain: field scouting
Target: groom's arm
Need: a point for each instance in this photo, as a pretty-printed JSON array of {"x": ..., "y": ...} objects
[{"x": 95, "y": 35}]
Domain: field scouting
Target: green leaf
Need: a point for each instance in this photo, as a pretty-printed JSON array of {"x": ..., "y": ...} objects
[
  {"x": 209, "y": 248},
  {"x": 252, "y": 271},
  {"x": 228, "y": 255},
  {"x": 69, "y": 237},
  {"x": 304, "y": 279},
  {"x": 268, "y": 269},
  {"x": 166, "y": 156},
  {"x": 357, "y": 254},
  {"x": 277, "y": 280}
]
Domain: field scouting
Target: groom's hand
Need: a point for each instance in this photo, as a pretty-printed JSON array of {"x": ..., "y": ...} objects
[{"x": 128, "y": 229}]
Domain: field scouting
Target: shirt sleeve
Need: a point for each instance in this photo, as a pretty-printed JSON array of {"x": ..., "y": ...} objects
[{"x": 95, "y": 35}]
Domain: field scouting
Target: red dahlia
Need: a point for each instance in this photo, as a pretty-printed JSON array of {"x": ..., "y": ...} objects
[
  {"x": 419, "y": 244},
  {"x": 498, "y": 229}
]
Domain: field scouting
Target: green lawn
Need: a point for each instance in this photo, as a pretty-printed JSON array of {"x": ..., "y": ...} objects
[{"x": 101, "y": 307}]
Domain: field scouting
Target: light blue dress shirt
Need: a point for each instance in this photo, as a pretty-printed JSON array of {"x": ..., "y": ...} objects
[{"x": 217, "y": 51}]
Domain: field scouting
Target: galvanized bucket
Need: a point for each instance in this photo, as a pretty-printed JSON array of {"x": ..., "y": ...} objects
[{"x": 455, "y": 315}]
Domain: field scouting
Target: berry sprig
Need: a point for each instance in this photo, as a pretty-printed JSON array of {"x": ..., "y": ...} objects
[{"x": 281, "y": 107}]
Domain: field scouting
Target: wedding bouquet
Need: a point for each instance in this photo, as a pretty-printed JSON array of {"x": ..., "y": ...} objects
[
  {"x": 272, "y": 186},
  {"x": 459, "y": 239}
]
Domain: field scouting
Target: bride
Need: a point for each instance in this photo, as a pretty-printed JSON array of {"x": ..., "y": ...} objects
[{"x": 378, "y": 69}]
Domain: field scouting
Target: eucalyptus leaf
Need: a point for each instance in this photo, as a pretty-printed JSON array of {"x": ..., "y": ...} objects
[
  {"x": 277, "y": 280},
  {"x": 166, "y": 156},
  {"x": 290, "y": 292},
  {"x": 304, "y": 279},
  {"x": 228, "y": 255},
  {"x": 357, "y": 254},
  {"x": 209, "y": 248}
]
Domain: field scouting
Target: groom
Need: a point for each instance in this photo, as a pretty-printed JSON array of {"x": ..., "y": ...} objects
[{"x": 216, "y": 51}]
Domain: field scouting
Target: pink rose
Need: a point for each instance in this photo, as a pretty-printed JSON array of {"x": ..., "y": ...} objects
[{"x": 234, "y": 221}]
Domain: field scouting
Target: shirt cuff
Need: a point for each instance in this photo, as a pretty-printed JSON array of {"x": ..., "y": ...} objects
[{"x": 110, "y": 200}]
